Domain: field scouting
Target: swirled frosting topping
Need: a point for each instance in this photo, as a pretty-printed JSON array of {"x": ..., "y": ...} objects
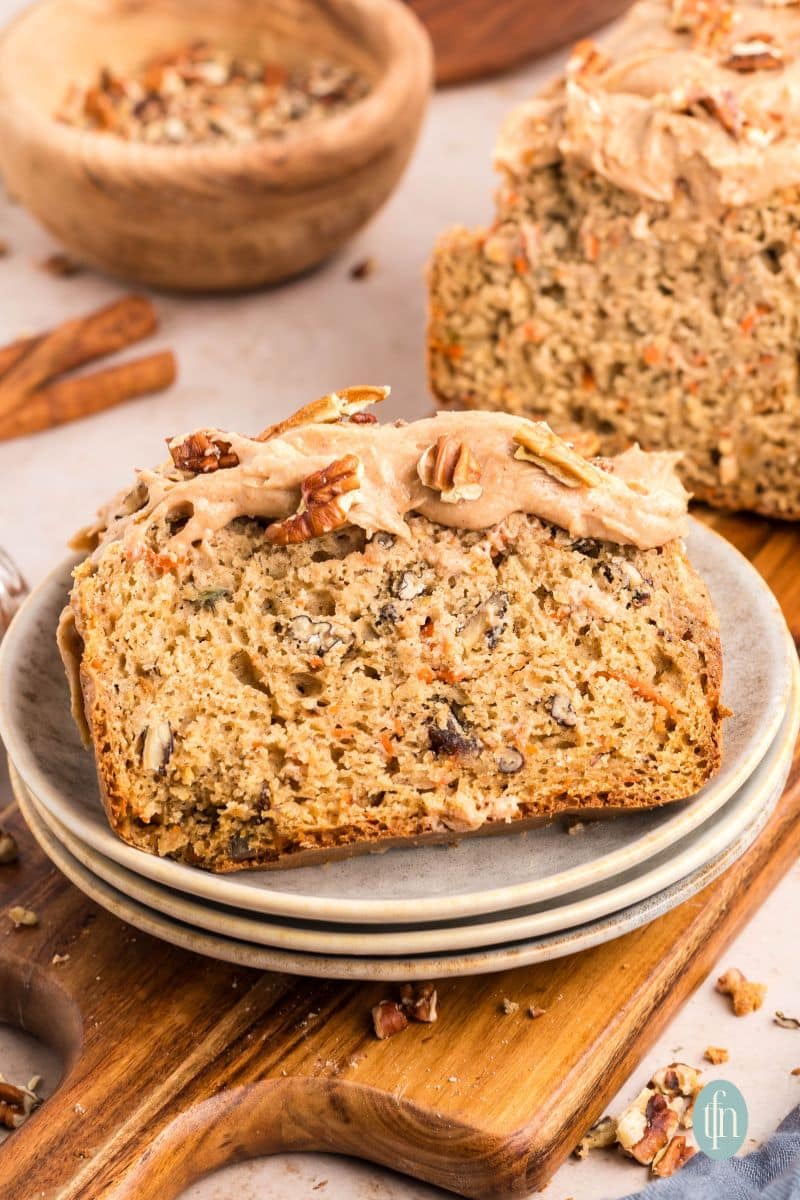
[
  {"x": 467, "y": 470},
  {"x": 696, "y": 101}
]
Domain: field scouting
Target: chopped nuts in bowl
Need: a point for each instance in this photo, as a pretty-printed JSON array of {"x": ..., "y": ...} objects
[{"x": 221, "y": 182}]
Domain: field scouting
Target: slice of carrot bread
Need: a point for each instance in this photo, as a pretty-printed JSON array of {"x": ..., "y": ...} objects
[
  {"x": 463, "y": 623},
  {"x": 642, "y": 276}
]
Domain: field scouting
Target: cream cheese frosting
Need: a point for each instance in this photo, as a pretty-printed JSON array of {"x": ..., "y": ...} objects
[
  {"x": 695, "y": 99},
  {"x": 636, "y": 498}
]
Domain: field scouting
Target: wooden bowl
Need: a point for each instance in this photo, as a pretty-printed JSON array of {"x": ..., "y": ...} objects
[
  {"x": 472, "y": 38},
  {"x": 215, "y": 216}
]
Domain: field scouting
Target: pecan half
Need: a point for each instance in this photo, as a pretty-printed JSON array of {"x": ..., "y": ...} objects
[
  {"x": 450, "y": 467},
  {"x": 537, "y": 444},
  {"x": 746, "y": 996},
  {"x": 758, "y": 52},
  {"x": 326, "y": 496},
  {"x": 388, "y": 1019},
  {"x": 332, "y": 407},
  {"x": 201, "y": 453},
  {"x": 420, "y": 1002}
]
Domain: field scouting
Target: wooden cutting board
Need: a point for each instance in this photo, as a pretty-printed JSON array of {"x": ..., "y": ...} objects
[{"x": 177, "y": 1065}]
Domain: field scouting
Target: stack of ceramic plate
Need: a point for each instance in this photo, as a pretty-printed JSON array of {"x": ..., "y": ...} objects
[{"x": 484, "y": 904}]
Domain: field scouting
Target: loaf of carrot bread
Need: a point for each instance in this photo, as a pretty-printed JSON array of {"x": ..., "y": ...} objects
[
  {"x": 642, "y": 276},
  {"x": 342, "y": 634}
]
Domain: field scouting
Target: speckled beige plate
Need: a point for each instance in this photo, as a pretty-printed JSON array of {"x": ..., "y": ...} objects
[
  {"x": 755, "y": 798},
  {"x": 401, "y": 966},
  {"x": 426, "y": 884}
]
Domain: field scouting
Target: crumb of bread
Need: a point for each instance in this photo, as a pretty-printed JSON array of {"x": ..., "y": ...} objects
[{"x": 716, "y": 1054}]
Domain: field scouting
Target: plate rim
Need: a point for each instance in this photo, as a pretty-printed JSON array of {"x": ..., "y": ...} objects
[
  {"x": 225, "y": 889},
  {"x": 244, "y": 954},
  {"x": 772, "y": 773}
]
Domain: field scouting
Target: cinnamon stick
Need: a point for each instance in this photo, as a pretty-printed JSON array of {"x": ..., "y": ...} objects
[
  {"x": 83, "y": 395},
  {"x": 29, "y": 363}
]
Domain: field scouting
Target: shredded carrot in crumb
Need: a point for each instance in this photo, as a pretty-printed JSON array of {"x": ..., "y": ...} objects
[
  {"x": 347, "y": 798},
  {"x": 592, "y": 247},
  {"x": 641, "y": 688},
  {"x": 448, "y": 675},
  {"x": 164, "y": 564},
  {"x": 652, "y": 355},
  {"x": 531, "y": 332},
  {"x": 315, "y": 662},
  {"x": 398, "y": 728},
  {"x": 426, "y": 630},
  {"x": 587, "y": 379},
  {"x": 749, "y": 319},
  {"x": 520, "y": 265},
  {"x": 344, "y": 733},
  {"x": 453, "y": 350},
  {"x": 425, "y": 674},
  {"x": 388, "y": 747}
]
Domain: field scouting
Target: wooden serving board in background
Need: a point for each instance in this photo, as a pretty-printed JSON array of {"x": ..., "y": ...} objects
[
  {"x": 473, "y": 38},
  {"x": 179, "y": 1065}
]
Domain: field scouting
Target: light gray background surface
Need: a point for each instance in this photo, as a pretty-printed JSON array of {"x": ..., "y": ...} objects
[{"x": 244, "y": 361}]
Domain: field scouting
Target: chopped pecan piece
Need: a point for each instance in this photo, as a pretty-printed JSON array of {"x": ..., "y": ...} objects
[
  {"x": 586, "y": 58},
  {"x": 645, "y": 1128},
  {"x": 17, "y": 1103},
  {"x": 420, "y": 1002},
  {"x": 388, "y": 1019},
  {"x": 328, "y": 409},
  {"x": 452, "y": 739},
  {"x": 536, "y": 443},
  {"x": 561, "y": 710},
  {"x": 509, "y": 761},
  {"x": 786, "y": 1022},
  {"x": 716, "y": 1055},
  {"x": 758, "y": 52},
  {"x": 8, "y": 848},
  {"x": 22, "y": 916},
  {"x": 721, "y": 104},
  {"x": 201, "y": 453},
  {"x": 707, "y": 20},
  {"x": 674, "y": 1155},
  {"x": 157, "y": 747},
  {"x": 678, "y": 1079},
  {"x": 450, "y": 468},
  {"x": 487, "y": 621},
  {"x": 601, "y": 1135},
  {"x": 746, "y": 996},
  {"x": 326, "y": 496}
]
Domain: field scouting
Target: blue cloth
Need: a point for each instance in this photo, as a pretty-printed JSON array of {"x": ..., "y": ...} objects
[{"x": 770, "y": 1173}]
